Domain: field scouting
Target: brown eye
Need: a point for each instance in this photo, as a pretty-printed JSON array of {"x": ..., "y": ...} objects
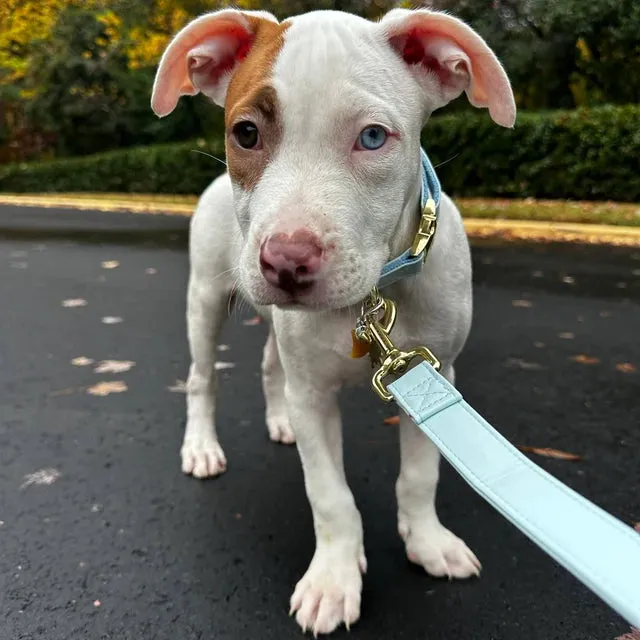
[{"x": 246, "y": 134}]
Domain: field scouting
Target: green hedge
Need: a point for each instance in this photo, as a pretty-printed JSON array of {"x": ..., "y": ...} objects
[{"x": 589, "y": 154}]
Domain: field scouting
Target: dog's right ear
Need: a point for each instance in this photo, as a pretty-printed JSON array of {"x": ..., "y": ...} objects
[{"x": 203, "y": 56}]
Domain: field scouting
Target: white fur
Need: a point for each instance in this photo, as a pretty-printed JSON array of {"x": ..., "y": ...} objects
[{"x": 367, "y": 207}]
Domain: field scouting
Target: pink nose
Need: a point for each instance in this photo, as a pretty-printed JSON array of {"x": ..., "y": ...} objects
[{"x": 290, "y": 262}]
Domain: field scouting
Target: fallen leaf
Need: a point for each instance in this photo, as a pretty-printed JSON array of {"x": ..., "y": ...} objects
[
  {"x": 96, "y": 603},
  {"x": 105, "y": 388},
  {"x": 111, "y": 320},
  {"x": 252, "y": 322},
  {"x": 626, "y": 367},
  {"x": 180, "y": 386},
  {"x": 114, "y": 366},
  {"x": 634, "y": 635},
  {"x": 223, "y": 347},
  {"x": 522, "y": 303},
  {"x": 523, "y": 364},
  {"x": 41, "y": 477},
  {"x": 550, "y": 453},
  {"x": 151, "y": 271},
  {"x": 238, "y": 516},
  {"x": 96, "y": 508},
  {"x": 219, "y": 366},
  {"x": 74, "y": 302},
  {"x": 567, "y": 335},
  {"x": 110, "y": 264},
  {"x": 584, "y": 359},
  {"x": 568, "y": 279},
  {"x": 81, "y": 361},
  {"x": 392, "y": 420}
]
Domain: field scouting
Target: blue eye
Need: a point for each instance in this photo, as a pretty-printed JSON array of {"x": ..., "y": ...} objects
[{"x": 372, "y": 138}]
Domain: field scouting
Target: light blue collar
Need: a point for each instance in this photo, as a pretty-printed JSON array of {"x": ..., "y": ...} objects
[{"x": 410, "y": 263}]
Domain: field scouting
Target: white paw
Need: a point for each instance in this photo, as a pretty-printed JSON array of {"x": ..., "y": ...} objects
[
  {"x": 203, "y": 458},
  {"x": 439, "y": 551},
  {"x": 280, "y": 429},
  {"x": 329, "y": 593}
]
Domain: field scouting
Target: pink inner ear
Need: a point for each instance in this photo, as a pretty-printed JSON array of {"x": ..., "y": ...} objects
[
  {"x": 449, "y": 48},
  {"x": 413, "y": 52},
  {"x": 199, "y": 57},
  {"x": 211, "y": 60}
]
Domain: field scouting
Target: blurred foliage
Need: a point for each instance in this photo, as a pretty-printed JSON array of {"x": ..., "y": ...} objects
[
  {"x": 76, "y": 75},
  {"x": 585, "y": 154},
  {"x": 561, "y": 53}
]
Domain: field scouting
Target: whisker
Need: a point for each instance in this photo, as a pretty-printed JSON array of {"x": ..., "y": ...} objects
[
  {"x": 224, "y": 273},
  {"x": 233, "y": 295},
  {"x": 445, "y": 162},
  {"x": 204, "y": 153}
]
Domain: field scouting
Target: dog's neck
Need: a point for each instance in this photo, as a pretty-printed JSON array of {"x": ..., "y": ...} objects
[{"x": 407, "y": 226}]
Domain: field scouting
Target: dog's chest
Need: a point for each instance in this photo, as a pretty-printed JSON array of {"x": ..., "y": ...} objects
[{"x": 323, "y": 345}]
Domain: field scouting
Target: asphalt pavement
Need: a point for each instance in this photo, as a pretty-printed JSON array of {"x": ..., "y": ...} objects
[{"x": 102, "y": 537}]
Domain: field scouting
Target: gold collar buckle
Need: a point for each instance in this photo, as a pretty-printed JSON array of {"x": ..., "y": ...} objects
[{"x": 426, "y": 229}]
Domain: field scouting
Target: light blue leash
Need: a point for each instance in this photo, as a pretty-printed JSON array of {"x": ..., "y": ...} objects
[{"x": 598, "y": 549}]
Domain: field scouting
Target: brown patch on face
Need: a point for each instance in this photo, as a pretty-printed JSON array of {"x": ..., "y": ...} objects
[{"x": 251, "y": 97}]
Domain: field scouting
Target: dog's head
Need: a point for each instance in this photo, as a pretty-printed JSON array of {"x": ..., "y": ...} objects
[{"x": 323, "y": 118}]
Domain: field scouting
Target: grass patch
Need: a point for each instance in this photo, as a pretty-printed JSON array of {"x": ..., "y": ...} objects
[
  {"x": 608, "y": 213},
  {"x": 136, "y": 198}
]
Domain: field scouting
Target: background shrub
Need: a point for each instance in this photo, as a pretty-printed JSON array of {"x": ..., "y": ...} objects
[{"x": 586, "y": 154}]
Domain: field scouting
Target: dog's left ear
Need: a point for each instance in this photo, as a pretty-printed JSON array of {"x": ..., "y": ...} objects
[{"x": 438, "y": 47}]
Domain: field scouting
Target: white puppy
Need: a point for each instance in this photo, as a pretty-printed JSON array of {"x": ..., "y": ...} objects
[{"x": 323, "y": 119}]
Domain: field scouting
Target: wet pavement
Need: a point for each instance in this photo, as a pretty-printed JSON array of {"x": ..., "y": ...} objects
[{"x": 102, "y": 537}]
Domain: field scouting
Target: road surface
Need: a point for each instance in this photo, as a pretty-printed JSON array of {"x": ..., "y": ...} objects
[{"x": 101, "y": 536}]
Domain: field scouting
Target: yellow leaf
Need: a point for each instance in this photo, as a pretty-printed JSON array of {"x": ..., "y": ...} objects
[
  {"x": 584, "y": 359},
  {"x": 105, "y": 388},
  {"x": 114, "y": 366},
  {"x": 550, "y": 453}
]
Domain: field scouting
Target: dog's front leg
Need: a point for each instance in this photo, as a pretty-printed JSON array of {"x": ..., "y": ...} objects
[
  {"x": 329, "y": 592},
  {"x": 201, "y": 452},
  {"x": 427, "y": 541}
]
